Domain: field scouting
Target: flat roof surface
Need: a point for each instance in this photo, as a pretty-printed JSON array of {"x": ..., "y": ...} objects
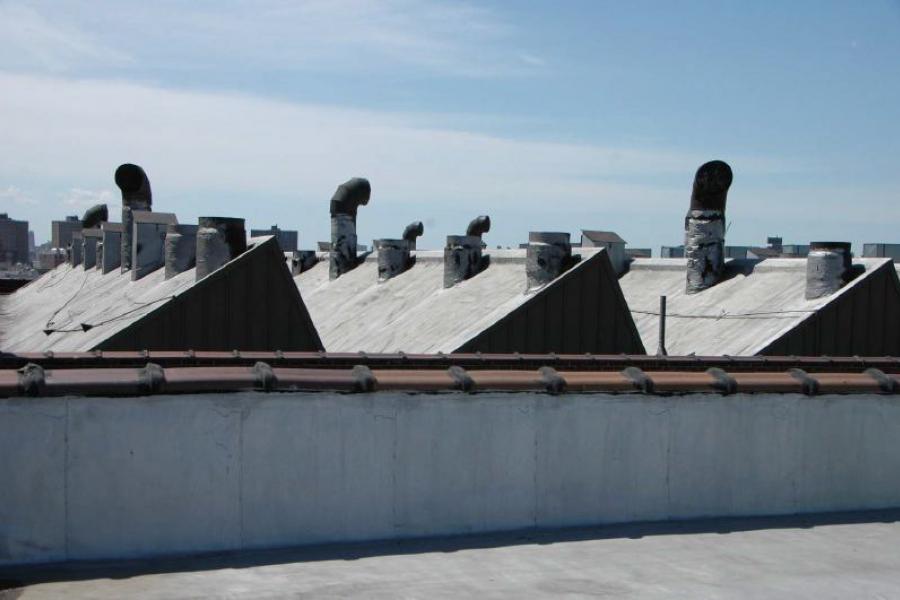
[
  {"x": 758, "y": 302},
  {"x": 795, "y": 557},
  {"x": 413, "y": 312}
]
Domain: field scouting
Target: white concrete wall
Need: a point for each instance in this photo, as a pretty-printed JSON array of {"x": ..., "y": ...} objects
[{"x": 90, "y": 478}]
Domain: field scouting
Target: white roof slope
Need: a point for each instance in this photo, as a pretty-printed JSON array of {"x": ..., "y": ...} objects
[
  {"x": 413, "y": 312},
  {"x": 66, "y": 297},
  {"x": 754, "y": 307}
]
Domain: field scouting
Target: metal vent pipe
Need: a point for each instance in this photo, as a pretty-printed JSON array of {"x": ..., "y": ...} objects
[
  {"x": 111, "y": 238},
  {"x": 828, "y": 268},
  {"x": 90, "y": 239},
  {"x": 393, "y": 258},
  {"x": 548, "y": 255},
  {"x": 704, "y": 239},
  {"x": 349, "y": 196},
  {"x": 413, "y": 231},
  {"x": 219, "y": 239},
  {"x": 462, "y": 258},
  {"x": 136, "y": 195},
  {"x": 180, "y": 249},
  {"x": 76, "y": 247}
]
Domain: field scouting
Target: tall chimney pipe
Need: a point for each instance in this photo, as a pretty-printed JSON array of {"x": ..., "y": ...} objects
[
  {"x": 548, "y": 255},
  {"x": 349, "y": 196},
  {"x": 136, "y": 195},
  {"x": 828, "y": 268},
  {"x": 180, "y": 249},
  {"x": 412, "y": 231},
  {"x": 704, "y": 238},
  {"x": 219, "y": 239}
]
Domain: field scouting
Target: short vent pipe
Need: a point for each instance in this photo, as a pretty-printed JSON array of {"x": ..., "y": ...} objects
[
  {"x": 547, "y": 256},
  {"x": 219, "y": 239},
  {"x": 180, "y": 249},
  {"x": 828, "y": 268}
]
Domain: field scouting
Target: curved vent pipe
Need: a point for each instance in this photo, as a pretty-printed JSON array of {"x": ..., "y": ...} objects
[
  {"x": 180, "y": 249},
  {"x": 349, "y": 196},
  {"x": 828, "y": 268},
  {"x": 479, "y": 226},
  {"x": 136, "y": 195},
  {"x": 704, "y": 238},
  {"x": 413, "y": 231},
  {"x": 219, "y": 239},
  {"x": 547, "y": 256},
  {"x": 95, "y": 215}
]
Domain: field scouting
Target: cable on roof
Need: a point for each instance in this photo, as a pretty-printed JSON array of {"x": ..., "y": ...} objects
[
  {"x": 84, "y": 327},
  {"x": 725, "y": 315}
]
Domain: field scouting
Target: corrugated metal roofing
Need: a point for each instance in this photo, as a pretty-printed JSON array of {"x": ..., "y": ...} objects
[
  {"x": 758, "y": 303},
  {"x": 414, "y": 313}
]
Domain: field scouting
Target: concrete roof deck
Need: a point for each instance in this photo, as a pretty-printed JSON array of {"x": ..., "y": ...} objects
[
  {"x": 413, "y": 312},
  {"x": 758, "y": 302}
]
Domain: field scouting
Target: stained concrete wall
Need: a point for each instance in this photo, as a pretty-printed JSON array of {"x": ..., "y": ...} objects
[{"x": 90, "y": 478}]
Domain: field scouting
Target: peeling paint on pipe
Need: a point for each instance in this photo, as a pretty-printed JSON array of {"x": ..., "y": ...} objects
[
  {"x": 704, "y": 244},
  {"x": 180, "y": 249}
]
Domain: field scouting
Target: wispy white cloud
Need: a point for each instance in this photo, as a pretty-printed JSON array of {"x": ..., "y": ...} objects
[
  {"x": 78, "y": 198},
  {"x": 348, "y": 35},
  {"x": 234, "y": 154},
  {"x": 29, "y": 39},
  {"x": 14, "y": 195}
]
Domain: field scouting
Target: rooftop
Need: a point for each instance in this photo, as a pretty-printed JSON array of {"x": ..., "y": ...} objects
[
  {"x": 610, "y": 237},
  {"x": 756, "y": 304},
  {"x": 414, "y": 313}
]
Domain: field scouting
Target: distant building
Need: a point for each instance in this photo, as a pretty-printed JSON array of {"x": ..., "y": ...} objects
[
  {"x": 795, "y": 250},
  {"x": 882, "y": 251},
  {"x": 614, "y": 244},
  {"x": 287, "y": 238},
  {"x": 13, "y": 241},
  {"x": 671, "y": 252},
  {"x": 737, "y": 251},
  {"x": 61, "y": 231},
  {"x": 638, "y": 252}
]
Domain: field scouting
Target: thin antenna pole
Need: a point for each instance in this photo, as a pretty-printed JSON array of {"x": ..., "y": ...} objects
[{"x": 661, "y": 351}]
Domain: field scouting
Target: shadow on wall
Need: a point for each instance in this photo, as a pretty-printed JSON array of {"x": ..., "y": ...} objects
[{"x": 19, "y": 576}]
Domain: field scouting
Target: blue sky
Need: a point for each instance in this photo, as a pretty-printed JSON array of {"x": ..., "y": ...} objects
[{"x": 545, "y": 115}]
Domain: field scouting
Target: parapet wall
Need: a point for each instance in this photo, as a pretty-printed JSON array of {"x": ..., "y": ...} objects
[{"x": 93, "y": 478}]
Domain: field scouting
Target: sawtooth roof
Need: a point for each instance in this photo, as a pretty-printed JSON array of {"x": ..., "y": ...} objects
[
  {"x": 580, "y": 311},
  {"x": 609, "y": 237},
  {"x": 758, "y": 305},
  {"x": 249, "y": 302}
]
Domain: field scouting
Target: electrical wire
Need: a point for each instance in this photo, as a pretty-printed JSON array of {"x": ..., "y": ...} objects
[
  {"x": 760, "y": 315},
  {"x": 88, "y": 326}
]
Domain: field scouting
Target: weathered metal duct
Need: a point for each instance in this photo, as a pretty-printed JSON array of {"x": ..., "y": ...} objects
[
  {"x": 90, "y": 238},
  {"x": 111, "y": 239},
  {"x": 704, "y": 243},
  {"x": 136, "y": 195},
  {"x": 219, "y": 239},
  {"x": 462, "y": 258},
  {"x": 828, "y": 268},
  {"x": 413, "y": 231},
  {"x": 95, "y": 215},
  {"x": 348, "y": 197},
  {"x": 547, "y": 256},
  {"x": 479, "y": 226},
  {"x": 393, "y": 258},
  {"x": 76, "y": 247},
  {"x": 180, "y": 249}
]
